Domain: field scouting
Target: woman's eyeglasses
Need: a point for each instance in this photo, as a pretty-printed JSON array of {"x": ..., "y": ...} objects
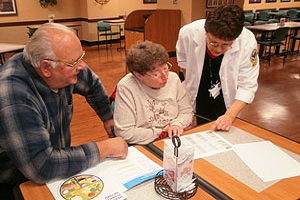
[
  {"x": 215, "y": 44},
  {"x": 156, "y": 74}
]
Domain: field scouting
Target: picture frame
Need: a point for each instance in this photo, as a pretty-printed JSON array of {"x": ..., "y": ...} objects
[
  {"x": 254, "y": 1},
  {"x": 271, "y": 1},
  {"x": 285, "y": 0},
  {"x": 149, "y": 1},
  {"x": 8, "y": 7},
  {"x": 216, "y": 3}
]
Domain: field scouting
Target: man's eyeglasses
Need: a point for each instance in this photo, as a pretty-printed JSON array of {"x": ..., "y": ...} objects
[
  {"x": 156, "y": 74},
  {"x": 216, "y": 44},
  {"x": 69, "y": 64}
]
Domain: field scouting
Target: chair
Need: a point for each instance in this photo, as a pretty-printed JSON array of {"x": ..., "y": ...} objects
[
  {"x": 31, "y": 31},
  {"x": 247, "y": 23},
  {"x": 277, "y": 39},
  {"x": 270, "y": 21},
  {"x": 264, "y": 15},
  {"x": 249, "y": 17},
  {"x": 105, "y": 29},
  {"x": 258, "y": 33},
  {"x": 292, "y": 14}
]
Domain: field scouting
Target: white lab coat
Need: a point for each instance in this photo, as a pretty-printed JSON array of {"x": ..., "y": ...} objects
[{"x": 239, "y": 68}]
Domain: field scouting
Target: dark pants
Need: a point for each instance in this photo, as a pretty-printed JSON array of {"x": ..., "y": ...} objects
[{"x": 11, "y": 190}]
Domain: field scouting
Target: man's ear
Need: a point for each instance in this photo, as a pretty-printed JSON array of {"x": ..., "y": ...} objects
[{"x": 46, "y": 68}]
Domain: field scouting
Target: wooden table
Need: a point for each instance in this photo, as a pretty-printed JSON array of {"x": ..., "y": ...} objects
[
  {"x": 9, "y": 48},
  {"x": 284, "y": 189},
  {"x": 266, "y": 28},
  {"x": 32, "y": 191}
]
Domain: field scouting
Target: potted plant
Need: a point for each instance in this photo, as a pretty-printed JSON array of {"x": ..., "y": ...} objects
[{"x": 45, "y": 3}]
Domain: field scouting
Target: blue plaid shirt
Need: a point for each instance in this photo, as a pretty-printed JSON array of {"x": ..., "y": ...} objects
[{"x": 35, "y": 123}]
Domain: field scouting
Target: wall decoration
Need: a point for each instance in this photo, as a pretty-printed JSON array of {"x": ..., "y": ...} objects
[
  {"x": 149, "y": 1},
  {"x": 285, "y": 0},
  {"x": 46, "y": 3},
  {"x": 216, "y": 3},
  {"x": 8, "y": 7},
  {"x": 270, "y": 1},
  {"x": 254, "y": 1}
]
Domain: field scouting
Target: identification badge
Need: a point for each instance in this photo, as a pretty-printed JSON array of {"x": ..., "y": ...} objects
[{"x": 215, "y": 89}]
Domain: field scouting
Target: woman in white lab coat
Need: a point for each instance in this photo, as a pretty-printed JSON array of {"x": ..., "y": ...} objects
[{"x": 219, "y": 59}]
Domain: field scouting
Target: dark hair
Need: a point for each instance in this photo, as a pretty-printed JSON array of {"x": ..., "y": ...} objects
[
  {"x": 144, "y": 56},
  {"x": 226, "y": 22}
]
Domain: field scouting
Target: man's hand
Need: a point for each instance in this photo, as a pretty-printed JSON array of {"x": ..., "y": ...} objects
[{"x": 113, "y": 148}]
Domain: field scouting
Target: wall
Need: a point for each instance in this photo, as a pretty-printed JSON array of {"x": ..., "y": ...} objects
[
  {"x": 184, "y": 5},
  {"x": 263, "y": 5},
  {"x": 13, "y": 28}
]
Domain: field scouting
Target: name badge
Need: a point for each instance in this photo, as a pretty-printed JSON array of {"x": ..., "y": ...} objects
[{"x": 214, "y": 90}]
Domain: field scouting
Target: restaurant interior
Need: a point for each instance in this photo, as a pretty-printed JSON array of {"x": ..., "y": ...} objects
[{"x": 276, "y": 107}]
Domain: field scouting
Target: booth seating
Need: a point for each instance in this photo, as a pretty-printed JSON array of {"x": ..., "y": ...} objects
[{"x": 159, "y": 26}]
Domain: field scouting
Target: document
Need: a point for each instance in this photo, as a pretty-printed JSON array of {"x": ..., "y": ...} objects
[
  {"x": 267, "y": 160},
  {"x": 205, "y": 143},
  {"x": 108, "y": 180}
]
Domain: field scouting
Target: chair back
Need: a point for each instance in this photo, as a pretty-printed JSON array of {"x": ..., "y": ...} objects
[
  {"x": 264, "y": 15},
  {"x": 103, "y": 26},
  {"x": 259, "y": 22},
  {"x": 249, "y": 17},
  {"x": 270, "y": 21},
  {"x": 292, "y": 13},
  {"x": 280, "y": 34},
  {"x": 247, "y": 23}
]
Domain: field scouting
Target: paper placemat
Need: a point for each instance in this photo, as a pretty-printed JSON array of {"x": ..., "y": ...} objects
[{"x": 234, "y": 166}]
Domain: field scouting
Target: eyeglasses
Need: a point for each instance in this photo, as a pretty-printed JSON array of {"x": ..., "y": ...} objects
[
  {"x": 69, "y": 64},
  {"x": 156, "y": 74},
  {"x": 215, "y": 44}
]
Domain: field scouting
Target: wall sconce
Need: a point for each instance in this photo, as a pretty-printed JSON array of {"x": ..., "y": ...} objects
[{"x": 102, "y": 1}]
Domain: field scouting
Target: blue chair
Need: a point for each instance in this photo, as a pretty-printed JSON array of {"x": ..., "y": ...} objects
[
  {"x": 249, "y": 17},
  {"x": 271, "y": 21},
  {"x": 264, "y": 15},
  {"x": 292, "y": 14},
  {"x": 31, "y": 31},
  {"x": 277, "y": 39},
  {"x": 105, "y": 29}
]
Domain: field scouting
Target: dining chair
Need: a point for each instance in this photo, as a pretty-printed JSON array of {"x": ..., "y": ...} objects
[
  {"x": 270, "y": 21},
  {"x": 278, "y": 38},
  {"x": 247, "y": 23},
  {"x": 264, "y": 15},
  {"x": 249, "y": 17},
  {"x": 257, "y": 33},
  {"x": 292, "y": 15},
  {"x": 31, "y": 31},
  {"x": 104, "y": 29}
]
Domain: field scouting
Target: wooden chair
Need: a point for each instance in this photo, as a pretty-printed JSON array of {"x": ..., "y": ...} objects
[{"x": 105, "y": 29}]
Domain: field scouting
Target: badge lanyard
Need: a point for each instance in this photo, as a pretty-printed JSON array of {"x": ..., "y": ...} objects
[{"x": 215, "y": 88}]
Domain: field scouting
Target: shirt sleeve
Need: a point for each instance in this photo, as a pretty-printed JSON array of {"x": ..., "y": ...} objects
[
  {"x": 90, "y": 86},
  {"x": 27, "y": 137},
  {"x": 249, "y": 70}
]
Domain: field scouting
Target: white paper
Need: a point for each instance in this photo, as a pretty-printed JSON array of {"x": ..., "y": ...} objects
[
  {"x": 267, "y": 160},
  {"x": 205, "y": 143},
  {"x": 115, "y": 175}
]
